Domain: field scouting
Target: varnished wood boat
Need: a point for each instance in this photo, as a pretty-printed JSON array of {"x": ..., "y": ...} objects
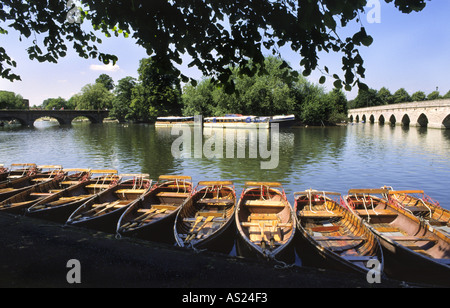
[
  {"x": 59, "y": 206},
  {"x": 419, "y": 204},
  {"x": 206, "y": 219},
  {"x": 265, "y": 222},
  {"x": 103, "y": 211},
  {"x": 23, "y": 176},
  {"x": 18, "y": 203},
  {"x": 4, "y": 172},
  {"x": 152, "y": 216},
  {"x": 335, "y": 234},
  {"x": 412, "y": 249}
]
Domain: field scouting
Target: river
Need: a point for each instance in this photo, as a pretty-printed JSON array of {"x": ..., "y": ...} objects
[{"x": 322, "y": 158}]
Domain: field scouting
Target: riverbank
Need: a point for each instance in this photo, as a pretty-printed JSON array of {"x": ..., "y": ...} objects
[{"x": 35, "y": 253}]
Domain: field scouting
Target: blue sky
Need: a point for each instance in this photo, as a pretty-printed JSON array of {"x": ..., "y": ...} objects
[{"x": 409, "y": 51}]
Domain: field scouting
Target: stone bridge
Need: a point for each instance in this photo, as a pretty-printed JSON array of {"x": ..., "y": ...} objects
[
  {"x": 433, "y": 114},
  {"x": 64, "y": 117}
]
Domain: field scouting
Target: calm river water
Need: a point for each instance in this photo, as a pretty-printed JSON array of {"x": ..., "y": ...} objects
[{"x": 331, "y": 158}]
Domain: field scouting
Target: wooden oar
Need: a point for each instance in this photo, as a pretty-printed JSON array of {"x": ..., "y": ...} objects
[
  {"x": 208, "y": 219},
  {"x": 197, "y": 221},
  {"x": 107, "y": 207}
]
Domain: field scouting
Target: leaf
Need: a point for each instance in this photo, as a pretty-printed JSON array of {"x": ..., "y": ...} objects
[{"x": 322, "y": 79}]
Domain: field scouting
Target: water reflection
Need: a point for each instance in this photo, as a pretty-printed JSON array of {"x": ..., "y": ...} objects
[{"x": 324, "y": 158}]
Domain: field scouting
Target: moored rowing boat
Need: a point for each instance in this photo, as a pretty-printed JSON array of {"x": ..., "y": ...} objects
[
  {"x": 419, "y": 204},
  {"x": 412, "y": 249},
  {"x": 60, "y": 205},
  {"x": 265, "y": 222},
  {"x": 206, "y": 219},
  {"x": 103, "y": 211},
  {"x": 152, "y": 216},
  {"x": 336, "y": 235}
]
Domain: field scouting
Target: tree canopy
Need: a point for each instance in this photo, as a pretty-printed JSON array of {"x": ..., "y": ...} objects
[{"x": 215, "y": 34}]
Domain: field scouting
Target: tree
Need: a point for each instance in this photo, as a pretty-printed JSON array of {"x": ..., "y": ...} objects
[
  {"x": 121, "y": 109},
  {"x": 433, "y": 95},
  {"x": 447, "y": 95},
  {"x": 106, "y": 81},
  {"x": 94, "y": 97},
  {"x": 157, "y": 94},
  {"x": 56, "y": 103},
  {"x": 385, "y": 96},
  {"x": 366, "y": 98},
  {"x": 418, "y": 96},
  {"x": 401, "y": 96},
  {"x": 215, "y": 34},
  {"x": 11, "y": 100}
]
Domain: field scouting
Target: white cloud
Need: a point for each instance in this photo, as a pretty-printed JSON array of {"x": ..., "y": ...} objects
[{"x": 104, "y": 68}]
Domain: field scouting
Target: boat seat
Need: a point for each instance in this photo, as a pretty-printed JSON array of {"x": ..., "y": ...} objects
[
  {"x": 318, "y": 214},
  {"x": 379, "y": 213},
  {"x": 255, "y": 224},
  {"x": 325, "y": 229},
  {"x": 411, "y": 238},
  {"x": 173, "y": 194},
  {"x": 70, "y": 183},
  {"x": 339, "y": 238},
  {"x": 387, "y": 229},
  {"x": 102, "y": 186},
  {"x": 264, "y": 203},
  {"x": 257, "y": 216},
  {"x": 417, "y": 209},
  {"x": 130, "y": 191},
  {"x": 42, "y": 194},
  {"x": 216, "y": 200}
]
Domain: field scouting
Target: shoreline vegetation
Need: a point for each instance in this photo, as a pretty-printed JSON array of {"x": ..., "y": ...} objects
[{"x": 271, "y": 90}]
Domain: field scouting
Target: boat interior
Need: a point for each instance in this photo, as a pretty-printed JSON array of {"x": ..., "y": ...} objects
[
  {"x": 398, "y": 226},
  {"x": 326, "y": 221},
  {"x": 265, "y": 215},
  {"x": 207, "y": 210}
]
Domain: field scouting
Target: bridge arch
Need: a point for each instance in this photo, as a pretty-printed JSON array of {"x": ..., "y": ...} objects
[
  {"x": 406, "y": 120},
  {"x": 381, "y": 119},
  {"x": 446, "y": 122},
  {"x": 372, "y": 119},
  {"x": 422, "y": 120},
  {"x": 392, "y": 119}
]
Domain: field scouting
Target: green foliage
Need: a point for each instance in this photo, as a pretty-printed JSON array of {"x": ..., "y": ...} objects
[
  {"x": 266, "y": 93},
  {"x": 106, "y": 81},
  {"x": 418, "y": 96},
  {"x": 11, "y": 100},
  {"x": 433, "y": 95},
  {"x": 157, "y": 94},
  {"x": 385, "y": 96},
  {"x": 57, "y": 103},
  {"x": 401, "y": 96},
  {"x": 215, "y": 34},
  {"x": 366, "y": 98},
  {"x": 123, "y": 95},
  {"x": 94, "y": 97}
]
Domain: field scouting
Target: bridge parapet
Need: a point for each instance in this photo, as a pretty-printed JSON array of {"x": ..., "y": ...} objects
[{"x": 433, "y": 114}]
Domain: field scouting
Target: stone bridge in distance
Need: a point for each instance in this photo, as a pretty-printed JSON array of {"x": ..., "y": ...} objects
[
  {"x": 433, "y": 114},
  {"x": 64, "y": 117}
]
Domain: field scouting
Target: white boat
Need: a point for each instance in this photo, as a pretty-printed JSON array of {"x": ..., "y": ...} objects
[
  {"x": 170, "y": 121},
  {"x": 247, "y": 121}
]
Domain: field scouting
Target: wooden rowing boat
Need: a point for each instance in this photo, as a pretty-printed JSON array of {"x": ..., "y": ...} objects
[
  {"x": 28, "y": 175},
  {"x": 412, "y": 249},
  {"x": 4, "y": 172},
  {"x": 419, "y": 204},
  {"x": 339, "y": 237},
  {"x": 206, "y": 219},
  {"x": 18, "y": 203},
  {"x": 59, "y": 206},
  {"x": 265, "y": 222},
  {"x": 103, "y": 211},
  {"x": 152, "y": 216}
]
